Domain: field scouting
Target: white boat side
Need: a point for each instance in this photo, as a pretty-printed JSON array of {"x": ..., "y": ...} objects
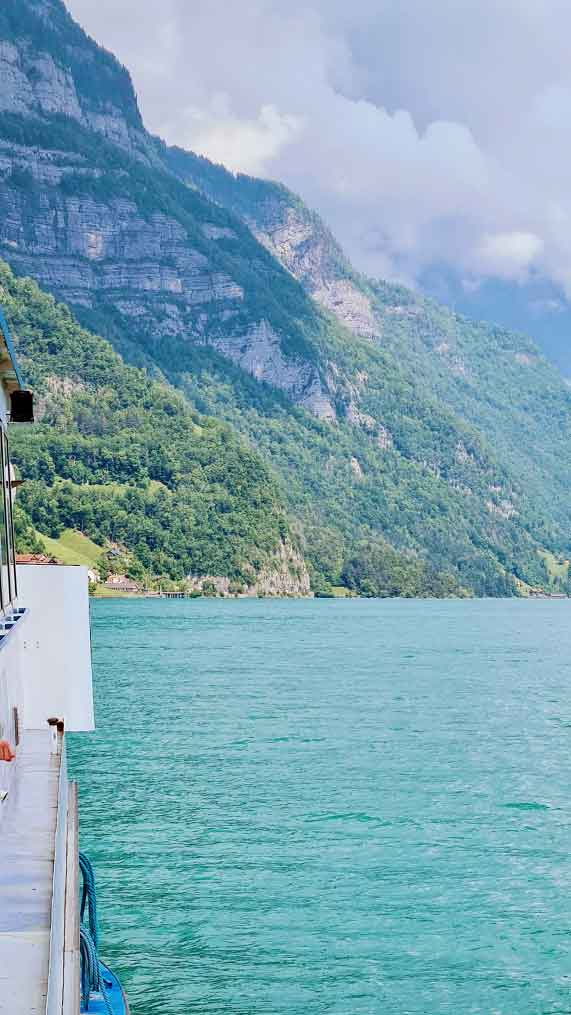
[
  {"x": 45, "y": 674},
  {"x": 39, "y": 930}
]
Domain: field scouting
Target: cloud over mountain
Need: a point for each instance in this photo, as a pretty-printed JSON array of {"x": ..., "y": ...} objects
[{"x": 424, "y": 133}]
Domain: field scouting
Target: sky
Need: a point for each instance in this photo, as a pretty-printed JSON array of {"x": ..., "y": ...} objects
[{"x": 425, "y": 133}]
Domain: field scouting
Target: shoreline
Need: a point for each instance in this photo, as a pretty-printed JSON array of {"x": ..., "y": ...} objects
[{"x": 313, "y": 598}]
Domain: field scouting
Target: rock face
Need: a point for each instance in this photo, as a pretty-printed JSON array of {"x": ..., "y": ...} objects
[
  {"x": 287, "y": 575},
  {"x": 83, "y": 248},
  {"x": 302, "y": 243},
  {"x": 66, "y": 217},
  {"x": 32, "y": 83},
  {"x": 259, "y": 353},
  {"x": 146, "y": 268},
  {"x": 35, "y": 84}
]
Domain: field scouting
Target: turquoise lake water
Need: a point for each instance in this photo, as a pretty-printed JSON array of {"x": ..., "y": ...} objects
[{"x": 340, "y": 807}]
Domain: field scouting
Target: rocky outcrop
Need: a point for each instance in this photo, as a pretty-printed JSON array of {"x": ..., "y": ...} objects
[
  {"x": 145, "y": 267},
  {"x": 32, "y": 83},
  {"x": 259, "y": 353},
  {"x": 302, "y": 243},
  {"x": 286, "y": 575},
  {"x": 357, "y": 469},
  {"x": 503, "y": 509},
  {"x": 350, "y": 305}
]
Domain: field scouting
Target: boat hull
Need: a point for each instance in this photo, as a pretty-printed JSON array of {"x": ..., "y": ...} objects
[{"x": 115, "y": 994}]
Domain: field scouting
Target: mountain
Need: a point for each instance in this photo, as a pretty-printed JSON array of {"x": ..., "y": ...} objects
[
  {"x": 125, "y": 461},
  {"x": 388, "y": 424},
  {"x": 495, "y": 380},
  {"x": 536, "y": 307}
]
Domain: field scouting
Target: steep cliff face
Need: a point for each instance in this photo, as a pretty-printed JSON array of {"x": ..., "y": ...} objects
[
  {"x": 33, "y": 84},
  {"x": 67, "y": 224},
  {"x": 301, "y": 242},
  {"x": 285, "y": 574},
  {"x": 45, "y": 62},
  {"x": 71, "y": 218},
  {"x": 295, "y": 236},
  {"x": 322, "y": 371}
]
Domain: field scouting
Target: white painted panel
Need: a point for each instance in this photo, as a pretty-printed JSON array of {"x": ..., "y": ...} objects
[
  {"x": 56, "y": 646},
  {"x": 10, "y": 699},
  {"x": 4, "y": 405}
]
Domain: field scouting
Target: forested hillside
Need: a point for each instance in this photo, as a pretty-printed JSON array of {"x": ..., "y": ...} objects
[
  {"x": 162, "y": 491},
  {"x": 124, "y": 460},
  {"x": 494, "y": 379},
  {"x": 397, "y": 438}
]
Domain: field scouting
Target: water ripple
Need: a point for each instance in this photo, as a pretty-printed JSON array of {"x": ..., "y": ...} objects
[{"x": 332, "y": 808}]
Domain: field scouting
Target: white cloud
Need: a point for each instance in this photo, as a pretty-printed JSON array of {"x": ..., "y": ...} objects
[
  {"x": 509, "y": 255},
  {"x": 243, "y": 145},
  {"x": 424, "y": 133}
]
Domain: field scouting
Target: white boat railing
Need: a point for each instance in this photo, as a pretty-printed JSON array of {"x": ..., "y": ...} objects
[
  {"x": 64, "y": 974},
  {"x": 11, "y": 695}
]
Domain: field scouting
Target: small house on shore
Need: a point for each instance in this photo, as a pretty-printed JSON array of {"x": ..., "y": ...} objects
[{"x": 120, "y": 583}]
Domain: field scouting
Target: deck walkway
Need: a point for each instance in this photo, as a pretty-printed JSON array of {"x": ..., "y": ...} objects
[{"x": 27, "y": 844}]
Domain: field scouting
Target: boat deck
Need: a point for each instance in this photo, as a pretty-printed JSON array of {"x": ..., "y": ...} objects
[{"x": 28, "y": 820}]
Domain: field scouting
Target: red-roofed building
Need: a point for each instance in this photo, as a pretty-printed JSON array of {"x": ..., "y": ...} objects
[{"x": 35, "y": 558}]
